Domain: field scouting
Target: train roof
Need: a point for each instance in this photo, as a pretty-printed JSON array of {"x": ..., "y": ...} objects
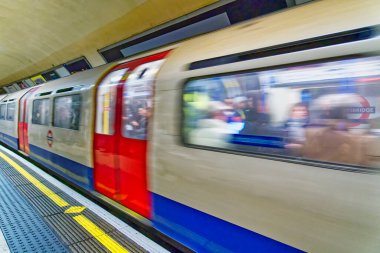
[
  {"x": 149, "y": 53},
  {"x": 16, "y": 95},
  {"x": 85, "y": 79},
  {"x": 91, "y": 76},
  {"x": 307, "y": 21},
  {"x": 2, "y": 96}
]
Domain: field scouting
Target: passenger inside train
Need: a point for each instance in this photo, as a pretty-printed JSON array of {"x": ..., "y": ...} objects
[
  {"x": 40, "y": 115},
  {"x": 67, "y": 111},
  {"x": 304, "y": 111}
]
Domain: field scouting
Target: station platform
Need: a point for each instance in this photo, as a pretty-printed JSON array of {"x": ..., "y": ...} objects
[{"x": 40, "y": 214}]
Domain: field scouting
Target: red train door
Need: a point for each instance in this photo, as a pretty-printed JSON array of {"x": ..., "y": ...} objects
[
  {"x": 120, "y": 159},
  {"x": 106, "y": 168},
  {"x": 23, "y": 122},
  {"x": 137, "y": 111}
]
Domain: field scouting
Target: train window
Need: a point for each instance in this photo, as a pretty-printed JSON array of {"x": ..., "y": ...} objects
[
  {"x": 21, "y": 111},
  {"x": 137, "y": 109},
  {"x": 26, "y": 118},
  {"x": 106, "y": 102},
  {"x": 65, "y": 90},
  {"x": 325, "y": 112},
  {"x": 67, "y": 112},
  {"x": 41, "y": 112},
  {"x": 137, "y": 100},
  {"x": 3, "y": 111},
  {"x": 44, "y": 94},
  {"x": 11, "y": 111}
]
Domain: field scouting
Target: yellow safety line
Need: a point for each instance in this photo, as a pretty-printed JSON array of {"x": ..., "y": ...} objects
[
  {"x": 75, "y": 209},
  {"x": 100, "y": 235},
  {"x": 49, "y": 193},
  {"x": 87, "y": 224}
]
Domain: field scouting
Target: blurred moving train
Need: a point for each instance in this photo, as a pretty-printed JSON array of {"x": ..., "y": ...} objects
[{"x": 263, "y": 137}]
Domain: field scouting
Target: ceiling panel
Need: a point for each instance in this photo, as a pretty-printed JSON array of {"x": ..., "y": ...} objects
[{"x": 37, "y": 35}]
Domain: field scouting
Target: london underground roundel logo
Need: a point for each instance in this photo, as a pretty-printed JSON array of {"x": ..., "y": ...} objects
[
  {"x": 364, "y": 110},
  {"x": 49, "y": 138}
]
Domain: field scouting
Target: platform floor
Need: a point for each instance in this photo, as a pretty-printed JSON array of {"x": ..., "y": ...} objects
[{"x": 40, "y": 214}]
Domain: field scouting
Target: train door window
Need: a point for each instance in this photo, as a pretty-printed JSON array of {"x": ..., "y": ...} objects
[
  {"x": 26, "y": 114},
  {"x": 322, "y": 112},
  {"x": 21, "y": 110},
  {"x": 11, "y": 111},
  {"x": 41, "y": 111},
  {"x": 67, "y": 112},
  {"x": 106, "y": 102},
  {"x": 137, "y": 100},
  {"x": 3, "y": 110}
]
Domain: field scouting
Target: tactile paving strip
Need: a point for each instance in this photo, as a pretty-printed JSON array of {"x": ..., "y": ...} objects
[
  {"x": 72, "y": 235},
  {"x": 18, "y": 180},
  {"x": 23, "y": 229},
  {"x": 7, "y": 169},
  {"x": 44, "y": 207},
  {"x": 30, "y": 191},
  {"x": 69, "y": 230},
  {"x": 129, "y": 244},
  {"x": 94, "y": 244},
  {"x": 10, "y": 171}
]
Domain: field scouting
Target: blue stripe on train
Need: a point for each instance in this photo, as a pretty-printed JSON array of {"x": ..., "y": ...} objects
[
  {"x": 9, "y": 140},
  {"x": 82, "y": 175},
  {"x": 205, "y": 233},
  {"x": 257, "y": 140}
]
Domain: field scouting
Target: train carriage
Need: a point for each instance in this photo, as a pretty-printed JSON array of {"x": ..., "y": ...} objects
[
  {"x": 9, "y": 108},
  {"x": 222, "y": 176},
  {"x": 60, "y": 125}
]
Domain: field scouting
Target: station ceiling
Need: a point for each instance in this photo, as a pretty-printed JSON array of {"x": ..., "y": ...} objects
[{"x": 38, "y": 35}]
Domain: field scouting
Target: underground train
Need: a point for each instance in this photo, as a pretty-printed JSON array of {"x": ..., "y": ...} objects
[{"x": 262, "y": 137}]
